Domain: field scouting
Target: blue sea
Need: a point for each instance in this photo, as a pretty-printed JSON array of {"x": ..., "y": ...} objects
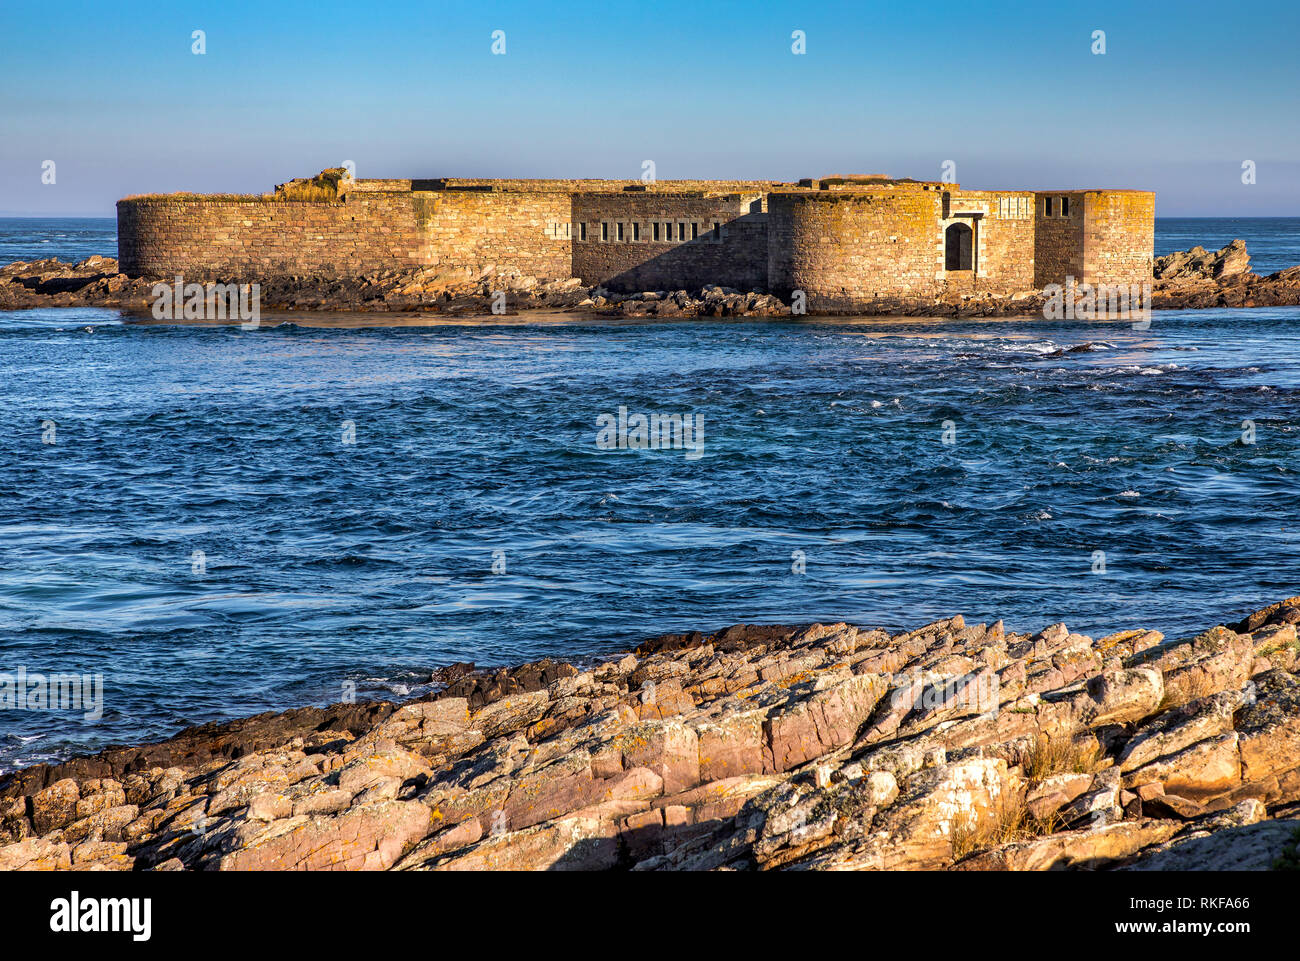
[
  {"x": 234, "y": 521},
  {"x": 68, "y": 238}
]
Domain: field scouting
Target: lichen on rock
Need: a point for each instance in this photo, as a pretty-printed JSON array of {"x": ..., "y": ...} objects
[{"x": 767, "y": 747}]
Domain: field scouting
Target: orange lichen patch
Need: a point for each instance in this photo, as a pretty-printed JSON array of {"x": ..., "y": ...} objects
[
  {"x": 541, "y": 729},
  {"x": 1107, "y": 643},
  {"x": 800, "y": 677}
]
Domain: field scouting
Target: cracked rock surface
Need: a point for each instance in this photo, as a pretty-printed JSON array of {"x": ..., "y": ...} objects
[{"x": 817, "y": 747}]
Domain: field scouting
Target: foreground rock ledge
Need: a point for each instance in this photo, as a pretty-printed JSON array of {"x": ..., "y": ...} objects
[{"x": 821, "y": 747}]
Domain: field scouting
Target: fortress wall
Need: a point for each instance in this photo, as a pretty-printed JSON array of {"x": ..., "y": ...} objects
[
  {"x": 1108, "y": 237},
  {"x": 1004, "y": 264},
  {"x": 376, "y": 185},
  {"x": 258, "y": 238},
  {"x": 478, "y": 231},
  {"x": 847, "y": 249},
  {"x": 1119, "y": 236},
  {"x": 875, "y": 245},
  {"x": 734, "y": 256},
  {"x": 1058, "y": 241},
  {"x": 710, "y": 187},
  {"x": 366, "y": 233}
]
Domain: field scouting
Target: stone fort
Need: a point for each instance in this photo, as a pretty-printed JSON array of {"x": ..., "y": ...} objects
[{"x": 847, "y": 242}]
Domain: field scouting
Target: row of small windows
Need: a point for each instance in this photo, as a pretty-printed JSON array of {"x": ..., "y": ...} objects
[
  {"x": 1020, "y": 208},
  {"x": 1015, "y": 208},
  {"x": 655, "y": 232},
  {"x": 1049, "y": 207}
]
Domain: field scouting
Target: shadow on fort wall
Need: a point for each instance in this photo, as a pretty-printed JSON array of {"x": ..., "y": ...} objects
[{"x": 738, "y": 260}]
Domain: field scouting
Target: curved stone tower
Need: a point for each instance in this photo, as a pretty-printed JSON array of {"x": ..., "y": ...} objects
[{"x": 847, "y": 248}]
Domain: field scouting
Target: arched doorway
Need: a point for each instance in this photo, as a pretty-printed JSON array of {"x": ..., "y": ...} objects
[{"x": 958, "y": 247}]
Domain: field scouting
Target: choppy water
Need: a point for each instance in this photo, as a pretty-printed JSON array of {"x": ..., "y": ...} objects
[
  {"x": 1272, "y": 242},
  {"x": 68, "y": 238},
  {"x": 372, "y": 562}
]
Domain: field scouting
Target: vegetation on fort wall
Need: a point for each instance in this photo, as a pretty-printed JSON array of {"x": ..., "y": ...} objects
[
  {"x": 323, "y": 188},
  {"x": 188, "y": 197}
]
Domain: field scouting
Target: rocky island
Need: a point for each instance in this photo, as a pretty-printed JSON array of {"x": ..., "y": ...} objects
[
  {"x": 1187, "y": 279},
  {"x": 819, "y": 747}
]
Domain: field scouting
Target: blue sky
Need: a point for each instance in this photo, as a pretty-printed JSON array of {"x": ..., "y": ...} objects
[{"x": 1010, "y": 92}]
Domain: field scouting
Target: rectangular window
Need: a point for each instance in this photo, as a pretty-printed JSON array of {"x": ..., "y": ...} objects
[
  {"x": 582, "y": 230},
  {"x": 1014, "y": 208},
  {"x": 668, "y": 231},
  {"x": 695, "y": 230},
  {"x": 1065, "y": 206},
  {"x": 620, "y": 231},
  {"x": 636, "y": 230},
  {"x": 717, "y": 232},
  {"x": 681, "y": 230},
  {"x": 604, "y": 230},
  {"x": 655, "y": 231},
  {"x": 1047, "y": 206}
]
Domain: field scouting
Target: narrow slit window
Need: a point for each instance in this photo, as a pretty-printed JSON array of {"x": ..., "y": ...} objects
[
  {"x": 620, "y": 230},
  {"x": 636, "y": 230},
  {"x": 654, "y": 231},
  {"x": 604, "y": 230},
  {"x": 582, "y": 230}
]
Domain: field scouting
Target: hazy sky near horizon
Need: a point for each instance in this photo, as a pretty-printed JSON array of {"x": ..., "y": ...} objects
[{"x": 1010, "y": 92}]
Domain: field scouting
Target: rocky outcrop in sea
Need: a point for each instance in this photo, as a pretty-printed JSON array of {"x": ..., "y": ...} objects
[
  {"x": 95, "y": 282},
  {"x": 1198, "y": 278},
  {"x": 1194, "y": 278},
  {"x": 820, "y": 747}
]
